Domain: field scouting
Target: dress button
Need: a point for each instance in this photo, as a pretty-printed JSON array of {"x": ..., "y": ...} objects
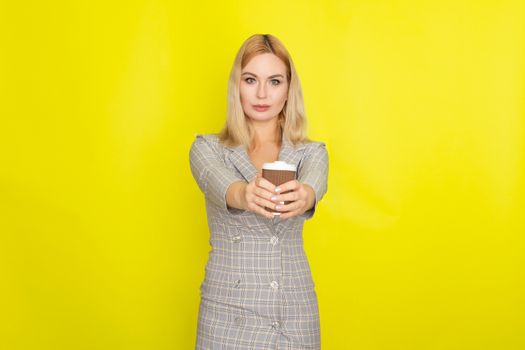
[
  {"x": 276, "y": 325},
  {"x": 274, "y": 284},
  {"x": 274, "y": 240},
  {"x": 236, "y": 239}
]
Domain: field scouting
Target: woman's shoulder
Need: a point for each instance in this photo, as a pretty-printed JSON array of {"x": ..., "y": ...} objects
[
  {"x": 313, "y": 144},
  {"x": 209, "y": 139},
  {"x": 315, "y": 149},
  {"x": 207, "y": 143}
]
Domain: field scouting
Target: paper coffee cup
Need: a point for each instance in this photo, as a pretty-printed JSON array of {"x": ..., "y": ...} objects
[{"x": 278, "y": 173}]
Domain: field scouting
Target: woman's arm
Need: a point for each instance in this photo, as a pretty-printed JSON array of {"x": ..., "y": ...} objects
[
  {"x": 307, "y": 190},
  {"x": 222, "y": 186},
  {"x": 235, "y": 195},
  {"x": 313, "y": 171},
  {"x": 210, "y": 173}
]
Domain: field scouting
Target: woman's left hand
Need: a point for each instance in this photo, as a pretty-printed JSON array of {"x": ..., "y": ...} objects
[{"x": 301, "y": 196}]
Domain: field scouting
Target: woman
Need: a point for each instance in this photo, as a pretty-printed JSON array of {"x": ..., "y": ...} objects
[{"x": 258, "y": 291}]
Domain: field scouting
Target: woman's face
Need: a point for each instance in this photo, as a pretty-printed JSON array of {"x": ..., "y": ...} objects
[{"x": 263, "y": 82}]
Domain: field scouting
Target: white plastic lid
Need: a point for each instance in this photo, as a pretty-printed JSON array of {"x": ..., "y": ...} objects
[{"x": 279, "y": 165}]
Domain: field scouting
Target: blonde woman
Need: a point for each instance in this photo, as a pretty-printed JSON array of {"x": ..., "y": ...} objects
[{"x": 258, "y": 291}]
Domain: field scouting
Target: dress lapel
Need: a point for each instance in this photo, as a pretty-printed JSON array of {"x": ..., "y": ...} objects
[{"x": 242, "y": 162}]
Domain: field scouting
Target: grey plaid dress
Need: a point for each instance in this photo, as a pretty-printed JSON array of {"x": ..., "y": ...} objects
[{"x": 258, "y": 291}]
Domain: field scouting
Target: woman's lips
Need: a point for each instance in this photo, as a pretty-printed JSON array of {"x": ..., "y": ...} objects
[{"x": 261, "y": 108}]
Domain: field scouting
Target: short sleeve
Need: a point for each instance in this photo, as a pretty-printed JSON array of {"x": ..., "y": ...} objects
[
  {"x": 313, "y": 171},
  {"x": 210, "y": 172}
]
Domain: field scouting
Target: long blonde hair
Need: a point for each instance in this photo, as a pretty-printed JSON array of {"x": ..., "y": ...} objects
[{"x": 291, "y": 120}]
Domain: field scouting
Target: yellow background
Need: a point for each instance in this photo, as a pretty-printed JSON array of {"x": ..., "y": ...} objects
[{"x": 418, "y": 244}]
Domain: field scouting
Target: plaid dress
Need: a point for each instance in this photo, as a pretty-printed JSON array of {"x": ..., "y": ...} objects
[{"x": 258, "y": 292}]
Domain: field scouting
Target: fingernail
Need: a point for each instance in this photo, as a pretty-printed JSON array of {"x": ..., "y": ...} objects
[
  {"x": 273, "y": 198},
  {"x": 278, "y": 207},
  {"x": 277, "y": 189}
]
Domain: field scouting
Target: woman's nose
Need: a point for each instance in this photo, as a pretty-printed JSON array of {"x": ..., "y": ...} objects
[{"x": 261, "y": 91}]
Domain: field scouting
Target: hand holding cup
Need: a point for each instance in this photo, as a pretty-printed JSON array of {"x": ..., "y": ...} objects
[
  {"x": 257, "y": 196},
  {"x": 297, "y": 198}
]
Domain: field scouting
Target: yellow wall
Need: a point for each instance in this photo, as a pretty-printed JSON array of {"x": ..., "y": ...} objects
[{"x": 418, "y": 244}]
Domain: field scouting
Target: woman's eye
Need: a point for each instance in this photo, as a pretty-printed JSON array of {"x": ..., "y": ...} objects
[{"x": 273, "y": 81}]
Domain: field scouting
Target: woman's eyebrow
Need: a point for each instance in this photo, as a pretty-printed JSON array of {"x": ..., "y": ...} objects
[{"x": 271, "y": 76}]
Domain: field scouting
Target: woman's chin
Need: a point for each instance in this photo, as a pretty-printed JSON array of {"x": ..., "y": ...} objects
[{"x": 261, "y": 117}]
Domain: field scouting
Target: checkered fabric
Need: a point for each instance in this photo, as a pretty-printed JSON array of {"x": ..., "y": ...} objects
[{"x": 258, "y": 291}]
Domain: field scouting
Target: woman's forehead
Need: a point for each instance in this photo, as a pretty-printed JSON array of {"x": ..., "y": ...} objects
[{"x": 266, "y": 64}]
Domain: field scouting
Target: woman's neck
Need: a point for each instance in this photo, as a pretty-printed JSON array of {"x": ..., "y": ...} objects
[{"x": 265, "y": 134}]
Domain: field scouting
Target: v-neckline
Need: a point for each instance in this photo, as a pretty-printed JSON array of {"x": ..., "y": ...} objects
[{"x": 279, "y": 156}]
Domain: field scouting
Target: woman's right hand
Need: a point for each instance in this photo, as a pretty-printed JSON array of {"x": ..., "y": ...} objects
[{"x": 257, "y": 195}]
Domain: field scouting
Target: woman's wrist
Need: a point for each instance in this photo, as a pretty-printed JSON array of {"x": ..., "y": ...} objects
[
  {"x": 311, "y": 196},
  {"x": 235, "y": 195}
]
